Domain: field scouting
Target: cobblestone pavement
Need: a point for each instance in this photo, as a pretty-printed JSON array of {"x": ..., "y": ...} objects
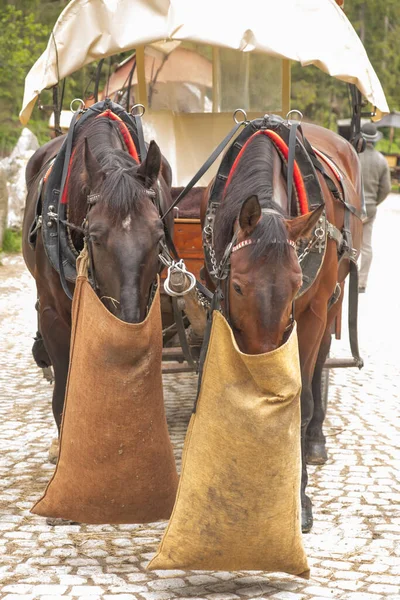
[{"x": 354, "y": 548}]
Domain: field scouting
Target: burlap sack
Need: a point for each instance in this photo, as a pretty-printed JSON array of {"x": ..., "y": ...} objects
[
  {"x": 116, "y": 463},
  {"x": 238, "y": 502}
]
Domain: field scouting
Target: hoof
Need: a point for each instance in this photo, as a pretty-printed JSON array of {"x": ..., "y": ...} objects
[
  {"x": 306, "y": 516},
  {"x": 53, "y": 521},
  {"x": 53, "y": 451},
  {"x": 316, "y": 453}
]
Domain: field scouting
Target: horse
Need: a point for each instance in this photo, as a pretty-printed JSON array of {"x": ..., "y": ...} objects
[
  {"x": 259, "y": 295},
  {"x": 115, "y": 203}
]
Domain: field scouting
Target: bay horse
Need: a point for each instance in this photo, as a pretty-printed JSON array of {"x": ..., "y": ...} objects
[
  {"x": 123, "y": 227},
  {"x": 265, "y": 274}
]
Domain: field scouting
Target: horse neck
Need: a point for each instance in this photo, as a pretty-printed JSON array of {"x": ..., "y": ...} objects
[{"x": 258, "y": 172}]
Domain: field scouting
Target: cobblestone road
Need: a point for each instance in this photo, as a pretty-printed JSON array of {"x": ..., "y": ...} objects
[{"x": 354, "y": 548}]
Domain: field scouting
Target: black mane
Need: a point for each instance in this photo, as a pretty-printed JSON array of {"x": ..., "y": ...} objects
[
  {"x": 120, "y": 191},
  {"x": 253, "y": 176}
]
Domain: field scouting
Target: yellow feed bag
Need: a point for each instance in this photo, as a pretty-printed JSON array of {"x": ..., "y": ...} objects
[
  {"x": 238, "y": 502},
  {"x": 116, "y": 463}
]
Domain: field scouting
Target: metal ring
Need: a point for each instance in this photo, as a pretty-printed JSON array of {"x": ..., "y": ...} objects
[
  {"x": 243, "y": 112},
  {"x": 294, "y": 111},
  {"x": 138, "y": 114},
  {"x": 82, "y": 105},
  {"x": 319, "y": 233}
]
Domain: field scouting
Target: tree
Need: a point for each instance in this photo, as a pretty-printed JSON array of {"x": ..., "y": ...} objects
[{"x": 377, "y": 22}]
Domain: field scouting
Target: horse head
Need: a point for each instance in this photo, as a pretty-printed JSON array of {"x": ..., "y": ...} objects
[
  {"x": 265, "y": 274},
  {"x": 123, "y": 226}
]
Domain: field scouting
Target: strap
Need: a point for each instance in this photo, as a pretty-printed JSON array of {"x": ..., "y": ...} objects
[
  {"x": 178, "y": 315},
  {"x": 334, "y": 233},
  {"x": 210, "y": 160},
  {"x": 353, "y": 314},
  {"x": 215, "y": 305},
  {"x": 203, "y": 290},
  {"x": 170, "y": 242},
  {"x": 62, "y": 208},
  {"x": 290, "y": 163},
  {"x": 139, "y": 129},
  {"x": 97, "y": 80},
  {"x": 331, "y": 184}
]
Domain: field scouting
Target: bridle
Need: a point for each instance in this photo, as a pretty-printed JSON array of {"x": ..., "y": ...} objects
[
  {"x": 154, "y": 194},
  {"x": 223, "y": 270}
]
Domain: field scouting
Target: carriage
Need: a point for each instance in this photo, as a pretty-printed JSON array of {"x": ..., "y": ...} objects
[{"x": 185, "y": 79}]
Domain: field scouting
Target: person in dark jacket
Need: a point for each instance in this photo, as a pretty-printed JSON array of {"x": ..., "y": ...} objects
[{"x": 376, "y": 182}]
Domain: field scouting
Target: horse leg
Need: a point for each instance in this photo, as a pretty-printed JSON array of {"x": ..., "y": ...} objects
[
  {"x": 39, "y": 352},
  {"x": 315, "y": 440},
  {"x": 311, "y": 327},
  {"x": 56, "y": 334}
]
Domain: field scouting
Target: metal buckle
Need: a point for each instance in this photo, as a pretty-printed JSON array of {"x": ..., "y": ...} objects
[
  {"x": 81, "y": 107},
  {"x": 138, "y": 114},
  {"x": 294, "y": 111},
  {"x": 240, "y": 111},
  {"x": 179, "y": 266}
]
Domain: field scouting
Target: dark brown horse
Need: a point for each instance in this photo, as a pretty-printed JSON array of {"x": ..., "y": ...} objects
[
  {"x": 265, "y": 274},
  {"x": 123, "y": 227}
]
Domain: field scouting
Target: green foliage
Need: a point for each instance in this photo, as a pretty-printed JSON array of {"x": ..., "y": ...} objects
[
  {"x": 324, "y": 99},
  {"x": 22, "y": 38},
  {"x": 12, "y": 241},
  {"x": 388, "y": 147}
]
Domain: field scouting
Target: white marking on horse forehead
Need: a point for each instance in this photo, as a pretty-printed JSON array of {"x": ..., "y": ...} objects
[{"x": 126, "y": 223}]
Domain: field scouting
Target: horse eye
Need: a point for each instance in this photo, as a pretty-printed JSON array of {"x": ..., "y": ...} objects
[
  {"x": 94, "y": 240},
  {"x": 237, "y": 289}
]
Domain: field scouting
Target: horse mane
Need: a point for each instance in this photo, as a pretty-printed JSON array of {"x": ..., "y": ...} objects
[
  {"x": 253, "y": 175},
  {"x": 120, "y": 191}
]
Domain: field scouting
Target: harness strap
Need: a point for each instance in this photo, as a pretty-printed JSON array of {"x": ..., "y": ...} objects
[
  {"x": 335, "y": 234},
  {"x": 215, "y": 305},
  {"x": 124, "y": 132},
  {"x": 62, "y": 209},
  {"x": 330, "y": 183},
  {"x": 353, "y": 314},
  {"x": 182, "y": 332},
  {"x": 139, "y": 129},
  {"x": 203, "y": 290},
  {"x": 210, "y": 160},
  {"x": 290, "y": 163}
]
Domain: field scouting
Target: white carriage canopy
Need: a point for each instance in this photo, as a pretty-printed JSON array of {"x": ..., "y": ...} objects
[{"x": 309, "y": 31}]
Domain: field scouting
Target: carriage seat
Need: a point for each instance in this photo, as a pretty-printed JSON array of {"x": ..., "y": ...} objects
[{"x": 189, "y": 207}]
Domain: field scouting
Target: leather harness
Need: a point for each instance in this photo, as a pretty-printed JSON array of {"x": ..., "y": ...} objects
[{"x": 312, "y": 255}]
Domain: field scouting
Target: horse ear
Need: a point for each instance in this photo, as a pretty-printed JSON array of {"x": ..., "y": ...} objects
[
  {"x": 94, "y": 172},
  {"x": 149, "y": 170},
  {"x": 250, "y": 214},
  {"x": 302, "y": 227}
]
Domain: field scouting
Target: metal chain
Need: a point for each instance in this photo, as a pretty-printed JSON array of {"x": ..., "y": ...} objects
[
  {"x": 202, "y": 299},
  {"x": 318, "y": 235}
]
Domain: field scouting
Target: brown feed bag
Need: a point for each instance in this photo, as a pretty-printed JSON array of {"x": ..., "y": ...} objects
[
  {"x": 116, "y": 463},
  {"x": 238, "y": 501}
]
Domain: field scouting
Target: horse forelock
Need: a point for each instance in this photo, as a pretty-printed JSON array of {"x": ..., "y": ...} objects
[
  {"x": 253, "y": 175},
  {"x": 120, "y": 190}
]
